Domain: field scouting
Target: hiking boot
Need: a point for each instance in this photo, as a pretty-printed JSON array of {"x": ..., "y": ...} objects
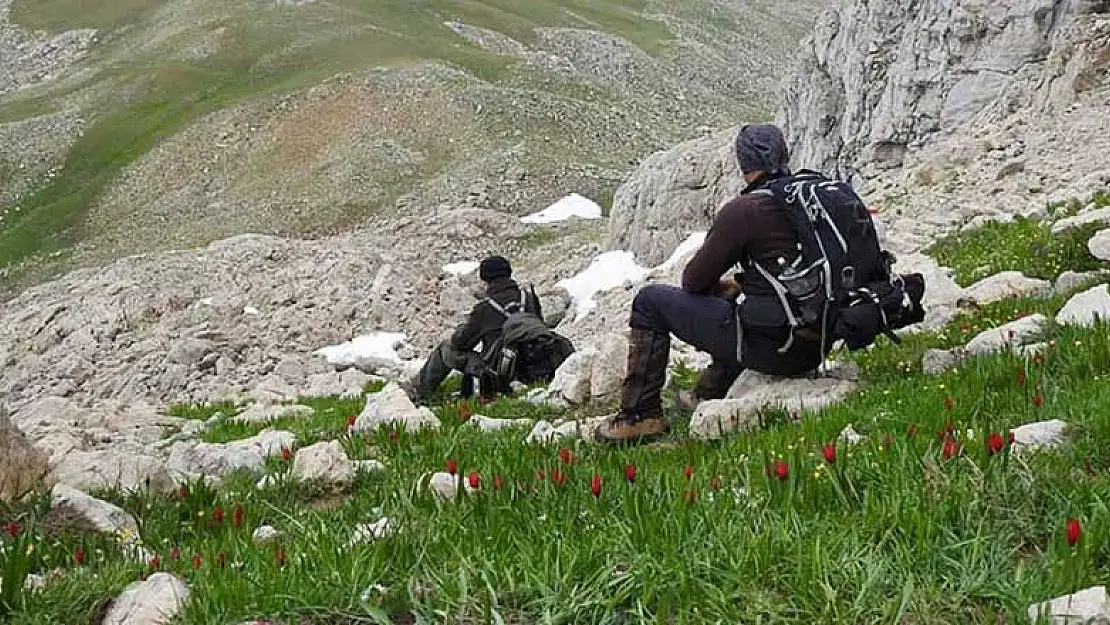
[{"x": 624, "y": 428}]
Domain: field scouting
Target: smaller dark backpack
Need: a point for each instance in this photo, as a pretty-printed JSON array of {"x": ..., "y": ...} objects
[
  {"x": 840, "y": 285},
  {"x": 527, "y": 349}
]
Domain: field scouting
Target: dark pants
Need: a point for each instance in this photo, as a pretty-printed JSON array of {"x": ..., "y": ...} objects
[
  {"x": 439, "y": 365},
  {"x": 708, "y": 323}
]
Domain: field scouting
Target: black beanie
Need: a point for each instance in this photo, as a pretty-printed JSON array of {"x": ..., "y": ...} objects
[
  {"x": 761, "y": 147},
  {"x": 493, "y": 268}
]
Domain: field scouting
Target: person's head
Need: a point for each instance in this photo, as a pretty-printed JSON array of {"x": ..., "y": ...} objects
[
  {"x": 761, "y": 150},
  {"x": 493, "y": 268}
]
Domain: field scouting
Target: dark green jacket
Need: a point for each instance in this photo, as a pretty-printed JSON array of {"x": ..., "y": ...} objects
[{"x": 483, "y": 325}]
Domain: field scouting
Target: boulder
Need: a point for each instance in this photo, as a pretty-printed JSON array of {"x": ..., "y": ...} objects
[
  {"x": 1099, "y": 245},
  {"x": 1006, "y": 284},
  {"x": 95, "y": 513},
  {"x": 1012, "y": 333},
  {"x": 325, "y": 462},
  {"x": 23, "y": 467},
  {"x": 1096, "y": 216},
  {"x": 1088, "y": 606},
  {"x": 1083, "y": 308},
  {"x": 572, "y": 379},
  {"x": 1042, "y": 434},
  {"x": 393, "y": 406},
  {"x": 937, "y": 361},
  {"x": 1070, "y": 280},
  {"x": 262, "y": 413},
  {"x": 124, "y": 467},
  {"x": 752, "y": 392},
  {"x": 609, "y": 366},
  {"x": 153, "y": 601}
]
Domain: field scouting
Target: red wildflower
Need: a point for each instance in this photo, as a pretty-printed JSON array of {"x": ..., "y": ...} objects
[
  {"x": 1021, "y": 376},
  {"x": 558, "y": 478},
  {"x": 1038, "y": 359},
  {"x": 351, "y": 421},
  {"x": 221, "y": 560},
  {"x": 1010, "y": 437},
  {"x": 994, "y": 443},
  {"x": 79, "y": 556},
  {"x": 452, "y": 466},
  {"x": 829, "y": 452},
  {"x": 715, "y": 483},
  {"x": 464, "y": 412},
  {"x": 155, "y": 562},
  {"x": 630, "y": 472},
  {"x": 197, "y": 561},
  {"x": 566, "y": 455},
  {"x": 286, "y": 454},
  {"x": 911, "y": 431},
  {"x": 237, "y": 515},
  {"x": 218, "y": 514},
  {"x": 279, "y": 555},
  {"x": 888, "y": 441},
  {"x": 1074, "y": 532},
  {"x": 946, "y": 432},
  {"x": 13, "y": 529},
  {"x": 691, "y": 495},
  {"x": 1038, "y": 400},
  {"x": 595, "y": 485},
  {"x": 949, "y": 403},
  {"x": 474, "y": 479},
  {"x": 175, "y": 554},
  {"x": 498, "y": 482},
  {"x": 780, "y": 469},
  {"x": 951, "y": 447},
  {"x": 541, "y": 475},
  {"x": 393, "y": 436},
  {"x": 689, "y": 471}
]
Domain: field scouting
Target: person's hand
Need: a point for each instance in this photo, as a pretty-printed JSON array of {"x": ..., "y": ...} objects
[{"x": 728, "y": 287}]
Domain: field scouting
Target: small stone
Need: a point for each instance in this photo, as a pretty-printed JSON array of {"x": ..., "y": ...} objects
[
  {"x": 1084, "y": 308},
  {"x": 154, "y": 601},
  {"x": 1099, "y": 245},
  {"x": 1085, "y": 607},
  {"x": 937, "y": 361},
  {"x": 325, "y": 462},
  {"x": 850, "y": 436},
  {"x": 1013, "y": 333},
  {"x": 1042, "y": 434},
  {"x": 444, "y": 486},
  {"x": 265, "y": 534},
  {"x": 366, "y": 532}
]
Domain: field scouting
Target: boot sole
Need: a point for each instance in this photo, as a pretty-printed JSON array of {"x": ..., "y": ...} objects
[{"x": 632, "y": 440}]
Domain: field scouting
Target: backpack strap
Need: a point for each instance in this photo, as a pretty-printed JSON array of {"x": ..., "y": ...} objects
[{"x": 504, "y": 310}]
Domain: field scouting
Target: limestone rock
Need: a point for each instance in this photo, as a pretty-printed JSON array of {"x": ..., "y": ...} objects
[
  {"x": 1088, "y": 606},
  {"x": 154, "y": 601},
  {"x": 262, "y": 413},
  {"x": 937, "y": 361},
  {"x": 1013, "y": 333},
  {"x": 672, "y": 193},
  {"x": 123, "y": 468},
  {"x": 367, "y": 532},
  {"x": 325, "y": 462},
  {"x": 392, "y": 406},
  {"x": 1083, "y": 308},
  {"x": 1070, "y": 280},
  {"x": 850, "y": 436},
  {"x": 97, "y": 514},
  {"x": 264, "y": 534},
  {"x": 572, "y": 379},
  {"x": 1040, "y": 434},
  {"x": 1099, "y": 245},
  {"x": 486, "y": 424},
  {"x": 444, "y": 486},
  {"x": 753, "y": 392},
  {"x": 1097, "y": 216},
  {"x": 608, "y": 368},
  {"x": 23, "y": 467},
  {"x": 1006, "y": 284}
]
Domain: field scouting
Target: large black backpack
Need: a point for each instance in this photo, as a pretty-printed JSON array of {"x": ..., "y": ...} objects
[
  {"x": 527, "y": 350},
  {"x": 840, "y": 285}
]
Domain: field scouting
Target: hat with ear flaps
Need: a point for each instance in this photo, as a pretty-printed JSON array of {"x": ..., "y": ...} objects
[{"x": 493, "y": 268}]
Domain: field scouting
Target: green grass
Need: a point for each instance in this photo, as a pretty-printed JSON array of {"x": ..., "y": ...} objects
[
  {"x": 892, "y": 531},
  {"x": 57, "y": 16},
  {"x": 1023, "y": 245}
]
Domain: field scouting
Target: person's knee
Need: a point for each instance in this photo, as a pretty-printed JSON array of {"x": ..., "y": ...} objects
[{"x": 647, "y": 308}]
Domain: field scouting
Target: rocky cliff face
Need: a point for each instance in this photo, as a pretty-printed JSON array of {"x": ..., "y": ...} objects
[
  {"x": 941, "y": 112},
  {"x": 877, "y": 79}
]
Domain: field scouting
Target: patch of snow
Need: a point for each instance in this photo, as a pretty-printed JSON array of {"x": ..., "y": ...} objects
[
  {"x": 573, "y": 205},
  {"x": 251, "y": 310},
  {"x": 608, "y": 271},
  {"x": 375, "y": 347},
  {"x": 205, "y": 302},
  {"x": 461, "y": 268},
  {"x": 691, "y": 244}
]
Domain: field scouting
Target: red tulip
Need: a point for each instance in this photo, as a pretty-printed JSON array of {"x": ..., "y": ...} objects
[
  {"x": 286, "y": 454},
  {"x": 1038, "y": 359},
  {"x": 221, "y": 560},
  {"x": 715, "y": 483},
  {"x": 279, "y": 555},
  {"x": 1010, "y": 437},
  {"x": 498, "y": 482},
  {"x": 691, "y": 496},
  {"x": 393, "y": 436},
  {"x": 888, "y": 441},
  {"x": 175, "y": 554},
  {"x": 1021, "y": 376},
  {"x": 829, "y": 451},
  {"x": 951, "y": 447},
  {"x": 949, "y": 403},
  {"x": 464, "y": 412},
  {"x": 13, "y": 529},
  {"x": 689, "y": 471},
  {"x": 780, "y": 469},
  {"x": 630, "y": 472},
  {"x": 474, "y": 479},
  {"x": 566, "y": 455},
  {"x": 351, "y": 421},
  {"x": 541, "y": 475},
  {"x": 182, "y": 491},
  {"x": 558, "y": 478},
  {"x": 1074, "y": 532},
  {"x": 155, "y": 562},
  {"x": 452, "y": 466},
  {"x": 1038, "y": 400},
  {"x": 994, "y": 443},
  {"x": 79, "y": 556},
  {"x": 911, "y": 431},
  {"x": 237, "y": 515},
  {"x": 218, "y": 514},
  {"x": 595, "y": 485},
  {"x": 197, "y": 561}
]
